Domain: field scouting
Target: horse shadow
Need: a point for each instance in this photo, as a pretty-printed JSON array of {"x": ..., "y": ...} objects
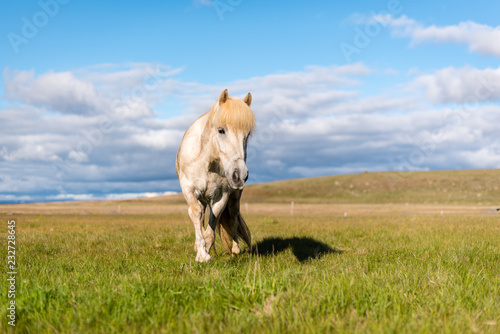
[{"x": 303, "y": 248}]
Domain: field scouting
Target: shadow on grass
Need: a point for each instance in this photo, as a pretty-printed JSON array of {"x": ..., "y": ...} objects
[{"x": 303, "y": 248}]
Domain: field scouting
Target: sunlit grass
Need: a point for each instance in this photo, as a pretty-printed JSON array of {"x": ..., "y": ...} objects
[{"x": 374, "y": 273}]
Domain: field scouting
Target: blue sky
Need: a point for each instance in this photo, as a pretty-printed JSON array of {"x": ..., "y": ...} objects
[{"x": 399, "y": 98}]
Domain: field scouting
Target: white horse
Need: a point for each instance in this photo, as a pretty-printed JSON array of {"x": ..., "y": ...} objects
[{"x": 211, "y": 167}]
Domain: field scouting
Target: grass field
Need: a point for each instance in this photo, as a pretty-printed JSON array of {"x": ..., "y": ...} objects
[{"x": 407, "y": 259}]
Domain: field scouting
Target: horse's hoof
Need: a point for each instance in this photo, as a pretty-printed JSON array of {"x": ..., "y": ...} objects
[
  {"x": 236, "y": 250},
  {"x": 200, "y": 257}
]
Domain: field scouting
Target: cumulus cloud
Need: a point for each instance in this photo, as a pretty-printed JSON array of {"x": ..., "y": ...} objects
[
  {"x": 88, "y": 131},
  {"x": 92, "y": 197},
  {"x": 128, "y": 92},
  {"x": 480, "y": 38},
  {"x": 460, "y": 85},
  {"x": 61, "y": 92}
]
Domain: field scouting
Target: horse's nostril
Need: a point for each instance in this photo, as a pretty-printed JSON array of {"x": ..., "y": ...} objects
[
  {"x": 236, "y": 177},
  {"x": 246, "y": 177}
]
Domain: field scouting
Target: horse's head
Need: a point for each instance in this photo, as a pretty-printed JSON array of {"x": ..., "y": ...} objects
[{"x": 232, "y": 122}]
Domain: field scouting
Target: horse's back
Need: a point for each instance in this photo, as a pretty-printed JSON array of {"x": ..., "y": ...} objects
[{"x": 192, "y": 144}]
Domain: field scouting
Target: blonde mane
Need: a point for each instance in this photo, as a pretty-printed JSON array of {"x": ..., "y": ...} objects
[{"x": 234, "y": 113}]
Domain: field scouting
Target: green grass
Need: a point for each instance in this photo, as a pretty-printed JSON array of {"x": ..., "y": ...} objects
[
  {"x": 115, "y": 274},
  {"x": 401, "y": 268}
]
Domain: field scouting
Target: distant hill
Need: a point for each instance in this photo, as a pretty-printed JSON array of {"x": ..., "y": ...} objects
[
  {"x": 463, "y": 187},
  {"x": 434, "y": 187}
]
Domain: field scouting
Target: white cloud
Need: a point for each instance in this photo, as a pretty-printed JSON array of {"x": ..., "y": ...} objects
[
  {"x": 61, "y": 92},
  {"x": 71, "y": 197},
  {"x": 93, "y": 197},
  {"x": 460, "y": 85},
  {"x": 158, "y": 139},
  {"x": 127, "y": 92},
  {"x": 139, "y": 195},
  {"x": 480, "y": 38}
]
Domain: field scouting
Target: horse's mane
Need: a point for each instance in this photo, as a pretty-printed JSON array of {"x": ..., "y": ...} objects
[{"x": 233, "y": 113}]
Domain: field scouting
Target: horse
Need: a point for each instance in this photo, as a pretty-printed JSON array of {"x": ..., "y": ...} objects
[{"x": 211, "y": 167}]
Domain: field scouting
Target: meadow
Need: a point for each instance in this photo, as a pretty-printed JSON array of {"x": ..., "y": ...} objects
[{"x": 365, "y": 253}]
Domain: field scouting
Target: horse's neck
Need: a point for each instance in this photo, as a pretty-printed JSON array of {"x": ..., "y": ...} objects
[{"x": 207, "y": 142}]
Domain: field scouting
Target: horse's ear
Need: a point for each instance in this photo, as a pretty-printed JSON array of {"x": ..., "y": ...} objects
[
  {"x": 223, "y": 97},
  {"x": 248, "y": 99}
]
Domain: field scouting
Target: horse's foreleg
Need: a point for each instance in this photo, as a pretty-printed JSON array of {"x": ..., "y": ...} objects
[{"x": 197, "y": 213}]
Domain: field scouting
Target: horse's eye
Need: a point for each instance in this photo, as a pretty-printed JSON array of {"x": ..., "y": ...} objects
[{"x": 222, "y": 131}]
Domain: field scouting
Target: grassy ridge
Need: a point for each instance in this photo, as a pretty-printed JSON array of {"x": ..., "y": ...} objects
[
  {"x": 436, "y": 187},
  {"x": 463, "y": 187}
]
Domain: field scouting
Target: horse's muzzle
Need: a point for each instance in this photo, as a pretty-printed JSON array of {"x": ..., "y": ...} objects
[{"x": 239, "y": 177}]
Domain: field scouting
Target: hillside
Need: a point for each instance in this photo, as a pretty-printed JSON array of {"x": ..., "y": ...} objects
[
  {"x": 464, "y": 187},
  {"x": 435, "y": 187}
]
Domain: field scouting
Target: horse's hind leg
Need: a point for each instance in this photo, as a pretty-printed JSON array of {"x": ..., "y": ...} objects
[
  {"x": 236, "y": 247},
  {"x": 209, "y": 233},
  {"x": 233, "y": 206}
]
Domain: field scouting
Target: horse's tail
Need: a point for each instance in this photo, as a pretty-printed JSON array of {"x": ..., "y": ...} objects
[
  {"x": 226, "y": 228},
  {"x": 243, "y": 232}
]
